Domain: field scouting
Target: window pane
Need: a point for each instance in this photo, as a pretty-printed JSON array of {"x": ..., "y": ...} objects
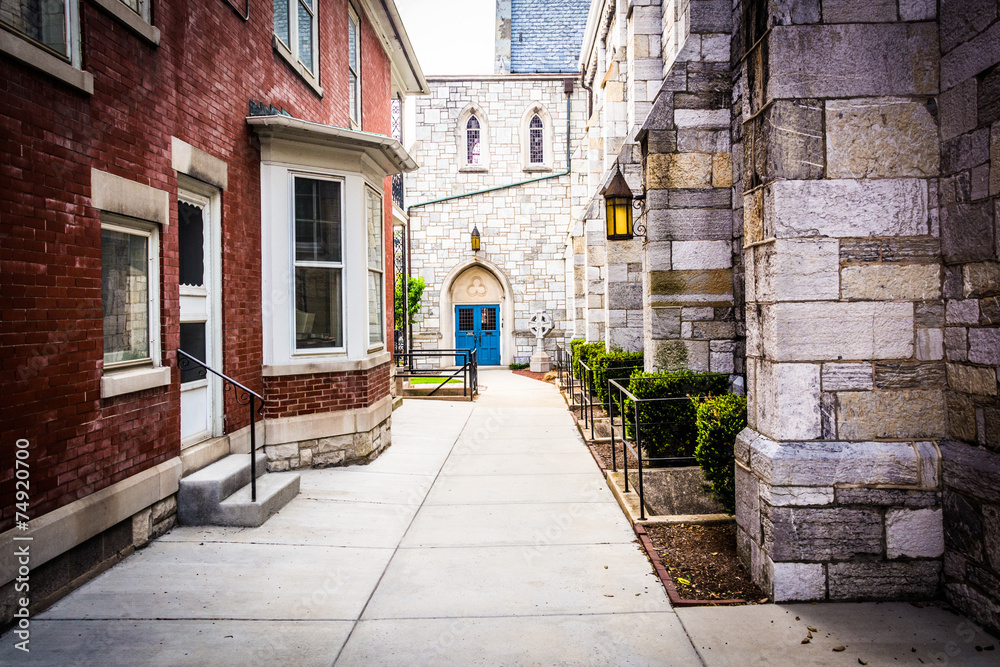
[
  {"x": 193, "y": 342},
  {"x": 465, "y": 321},
  {"x": 318, "y": 320},
  {"x": 352, "y": 92},
  {"x": 472, "y": 146},
  {"x": 537, "y": 149},
  {"x": 281, "y": 21},
  {"x": 488, "y": 320},
  {"x": 306, "y": 37},
  {"x": 132, "y": 4},
  {"x": 125, "y": 291},
  {"x": 317, "y": 221},
  {"x": 375, "y": 328},
  {"x": 375, "y": 257},
  {"x": 42, "y": 20},
  {"x": 191, "y": 242},
  {"x": 352, "y": 44}
]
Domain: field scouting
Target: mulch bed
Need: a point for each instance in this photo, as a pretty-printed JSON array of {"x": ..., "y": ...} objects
[
  {"x": 702, "y": 562},
  {"x": 534, "y": 376},
  {"x": 603, "y": 450}
]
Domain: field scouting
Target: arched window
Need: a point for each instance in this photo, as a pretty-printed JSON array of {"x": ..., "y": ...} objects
[
  {"x": 536, "y": 143},
  {"x": 472, "y": 142}
]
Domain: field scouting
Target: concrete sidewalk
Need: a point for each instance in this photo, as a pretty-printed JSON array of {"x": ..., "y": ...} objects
[{"x": 484, "y": 536}]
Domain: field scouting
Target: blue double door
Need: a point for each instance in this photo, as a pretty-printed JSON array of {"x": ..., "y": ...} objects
[{"x": 478, "y": 327}]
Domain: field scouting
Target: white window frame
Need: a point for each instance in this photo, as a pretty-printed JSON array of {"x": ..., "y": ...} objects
[
  {"x": 462, "y": 141},
  {"x": 372, "y": 195},
  {"x": 548, "y": 155},
  {"x": 64, "y": 67},
  {"x": 138, "y": 21},
  {"x": 292, "y": 52},
  {"x": 354, "y": 112},
  {"x": 151, "y": 232},
  {"x": 341, "y": 265}
]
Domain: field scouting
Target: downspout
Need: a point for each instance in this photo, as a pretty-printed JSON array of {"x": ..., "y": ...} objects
[{"x": 569, "y": 163}]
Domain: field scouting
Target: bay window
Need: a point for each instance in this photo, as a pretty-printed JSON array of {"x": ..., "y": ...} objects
[
  {"x": 376, "y": 261},
  {"x": 319, "y": 264}
]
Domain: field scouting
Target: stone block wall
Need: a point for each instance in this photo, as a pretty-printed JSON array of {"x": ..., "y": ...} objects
[
  {"x": 838, "y": 474},
  {"x": 969, "y": 111},
  {"x": 689, "y": 254},
  {"x": 524, "y": 228}
]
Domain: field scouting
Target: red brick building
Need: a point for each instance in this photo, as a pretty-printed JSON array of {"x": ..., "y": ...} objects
[{"x": 204, "y": 175}]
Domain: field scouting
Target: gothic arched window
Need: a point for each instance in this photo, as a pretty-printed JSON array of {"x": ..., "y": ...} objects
[
  {"x": 472, "y": 141},
  {"x": 536, "y": 144}
]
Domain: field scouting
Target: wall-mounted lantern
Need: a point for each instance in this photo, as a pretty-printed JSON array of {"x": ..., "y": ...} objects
[
  {"x": 618, "y": 200},
  {"x": 475, "y": 239}
]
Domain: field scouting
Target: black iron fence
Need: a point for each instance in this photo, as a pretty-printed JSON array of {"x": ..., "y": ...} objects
[
  {"x": 244, "y": 396},
  {"x": 659, "y": 432},
  {"x": 426, "y": 364}
]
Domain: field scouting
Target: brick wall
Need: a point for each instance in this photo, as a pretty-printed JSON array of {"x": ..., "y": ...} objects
[
  {"x": 196, "y": 86},
  {"x": 292, "y": 395}
]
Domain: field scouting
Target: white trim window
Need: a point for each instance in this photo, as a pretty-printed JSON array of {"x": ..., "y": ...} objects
[
  {"x": 473, "y": 141},
  {"x": 376, "y": 271},
  {"x": 130, "y": 292},
  {"x": 295, "y": 25},
  {"x": 52, "y": 25},
  {"x": 318, "y": 241},
  {"x": 354, "y": 66}
]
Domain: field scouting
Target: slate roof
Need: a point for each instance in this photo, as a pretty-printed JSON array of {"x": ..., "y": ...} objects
[{"x": 546, "y": 35}]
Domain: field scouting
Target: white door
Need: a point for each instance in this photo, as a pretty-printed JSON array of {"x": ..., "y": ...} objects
[{"x": 200, "y": 292}]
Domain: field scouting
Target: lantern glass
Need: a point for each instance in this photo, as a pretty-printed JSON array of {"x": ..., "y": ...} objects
[
  {"x": 619, "y": 214},
  {"x": 475, "y": 239}
]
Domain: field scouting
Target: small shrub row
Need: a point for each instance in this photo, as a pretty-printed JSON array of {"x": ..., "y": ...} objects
[
  {"x": 519, "y": 366},
  {"x": 669, "y": 427},
  {"x": 614, "y": 366},
  {"x": 585, "y": 352}
]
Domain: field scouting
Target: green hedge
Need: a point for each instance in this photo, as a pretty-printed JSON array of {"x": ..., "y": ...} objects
[
  {"x": 669, "y": 428},
  {"x": 614, "y": 366},
  {"x": 720, "y": 419},
  {"x": 585, "y": 352}
]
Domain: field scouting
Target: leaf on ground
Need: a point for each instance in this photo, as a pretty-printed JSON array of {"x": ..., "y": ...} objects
[
  {"x": 811, "y": 629},
  {"x": 805, "y": 641},
  {"x": 684, "y": 581},
  {"x": 861, "y": 662},
  {"x": 838, "y": 649},
  {"x": 809, "y": 635}
]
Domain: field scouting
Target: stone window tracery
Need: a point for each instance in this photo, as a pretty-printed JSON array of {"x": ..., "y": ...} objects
[{"x": 536, "y": 140}]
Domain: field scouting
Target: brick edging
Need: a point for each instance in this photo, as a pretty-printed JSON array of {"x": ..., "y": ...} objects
[
  {"x": 597, "y": 458},
  {"x": 668, "y": 583}
]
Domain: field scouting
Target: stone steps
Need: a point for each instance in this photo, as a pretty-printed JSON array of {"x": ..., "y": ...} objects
[{"x": 219, "y": 494}]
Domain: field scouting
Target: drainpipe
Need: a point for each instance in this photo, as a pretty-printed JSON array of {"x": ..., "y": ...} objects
[{"x": 568, "y": 87}]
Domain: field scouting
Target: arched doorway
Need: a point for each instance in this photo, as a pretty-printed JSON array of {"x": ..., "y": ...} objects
[{"x": 477, "y": 311}]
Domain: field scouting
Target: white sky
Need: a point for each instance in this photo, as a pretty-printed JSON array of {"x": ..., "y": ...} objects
[{"x": 450, "y": 37}]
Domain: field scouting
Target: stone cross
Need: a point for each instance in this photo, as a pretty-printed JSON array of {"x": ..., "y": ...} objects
[{"x": 540, "y": 324}]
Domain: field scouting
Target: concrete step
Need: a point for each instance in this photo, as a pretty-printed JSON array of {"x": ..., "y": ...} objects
[
  {"x": 274, "y": 491},
  {"x": 201, "y": 492}
]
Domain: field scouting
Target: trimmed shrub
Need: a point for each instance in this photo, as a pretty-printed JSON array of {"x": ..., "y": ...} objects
[
  {"x": 669, "y": 427},
  {"x": 585, "y": 352},
  {"x": 516, "y": 366},
  {"x": 720, "y": 419},
  {"x": 616, "y": 365}
]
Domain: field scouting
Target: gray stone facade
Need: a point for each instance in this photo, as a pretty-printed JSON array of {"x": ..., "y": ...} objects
[
  {"x": 820, "y": 219},
  {"x": 524, "y": 227}
]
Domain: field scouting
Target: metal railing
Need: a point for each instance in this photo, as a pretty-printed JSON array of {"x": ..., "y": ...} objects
[
  {"x": 244, "y": 396},
  {"x": 467, "y": 367},
  {"x": 631, "y": 427}
]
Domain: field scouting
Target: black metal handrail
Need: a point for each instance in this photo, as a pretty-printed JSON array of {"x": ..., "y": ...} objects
[
  {"x": 244, "y": 396},
  {"x": 617, "y": 395},
  {"x": 468, "y": 369}
]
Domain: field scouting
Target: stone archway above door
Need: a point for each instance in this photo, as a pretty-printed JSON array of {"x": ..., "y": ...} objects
[{"x": 476, "y": 285}]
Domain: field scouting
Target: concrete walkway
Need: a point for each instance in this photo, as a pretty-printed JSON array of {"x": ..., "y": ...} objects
[{"x": 484, "y": 536}]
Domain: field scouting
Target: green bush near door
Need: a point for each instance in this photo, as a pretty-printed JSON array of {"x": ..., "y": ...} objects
[{"x": 616, "y": 365}]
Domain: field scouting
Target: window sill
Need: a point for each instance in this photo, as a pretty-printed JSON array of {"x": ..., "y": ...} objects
[
  {"x": 130, "y": 381},
  {"x": 538, "y": 167},
  {"x": 473, "y": 169},
  {"x": 33, "y": 56},
  {"x": 332, "y": 366},
  {"x": 130, "y": 20},
  {"x": 303, "y": 73}
]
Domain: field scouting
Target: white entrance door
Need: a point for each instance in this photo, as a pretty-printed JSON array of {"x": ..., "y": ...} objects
[{"x": 200, "y": 292}]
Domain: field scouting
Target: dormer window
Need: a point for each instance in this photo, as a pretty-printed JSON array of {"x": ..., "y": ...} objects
[{"x": 472, "y": 141}]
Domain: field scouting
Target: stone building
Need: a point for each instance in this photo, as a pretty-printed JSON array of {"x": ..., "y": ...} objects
[
  {"x": 819, "y": 219},
  {"x": 183, "y": 176},
  {"x": 498, "y": 154}
]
